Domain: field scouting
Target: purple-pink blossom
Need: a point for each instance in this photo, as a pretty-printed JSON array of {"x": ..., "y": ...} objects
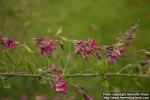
[
  {"x": 8, "y": 43},
  {"x": 38, "y": 40},
  {"x": 80, "y": 90},
  {"x": 87, "y": 97},
  {"x": 86, "y": 48},
  {"x": 46, "y": 46},
  {"x": 60, "y": 86},
  {"x": 92, "y": 43},
  {"x": 47, "y": 49},
  {"x": 113, "y": 52}
]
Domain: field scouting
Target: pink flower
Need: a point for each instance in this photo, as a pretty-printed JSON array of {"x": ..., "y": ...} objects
[
  {"x": 46, "y": 46},
  {"x": 87, "y": 97},
  {"x": 98, "y": 56},
  {"x": 38, "y": 40},
  {"x": 93, "y": 44},
  {"x": 112, "y": 59},
  {"x": 60, "y": 85},
  {"x": 122, "y": 51},
  {"x": 8, "y": 43},
  {"x": 47, "y": 49},
  {"x": 80, "y": 89},
  {"x": 79, "y": 42},
  {"x": 86, "y": 48},
  {"x": 114, "y": 52}
]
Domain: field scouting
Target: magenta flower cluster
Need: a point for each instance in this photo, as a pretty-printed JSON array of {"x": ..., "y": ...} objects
[
  {"x": 60, "y": 86},
  {"x": 114, "y": 52},
  {"x": 8, "y": 43},
  {"x": 86, "y": 48},
  {"x": 80, "y": 90},
  {"x": 46, "y": 46}
]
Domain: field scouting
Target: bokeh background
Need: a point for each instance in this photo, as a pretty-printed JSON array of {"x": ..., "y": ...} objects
[{"x": 102, "y": 20}]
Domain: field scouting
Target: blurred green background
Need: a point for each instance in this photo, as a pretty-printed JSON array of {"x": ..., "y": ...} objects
[{"x": 80, "y": 19}]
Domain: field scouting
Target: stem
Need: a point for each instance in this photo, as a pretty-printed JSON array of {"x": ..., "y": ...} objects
[
  {"x": 137, "y": 64},
  {"x": 20, "y": 75},
  {"x": 82, "y": 75},
  {"x": 130, "y": 75},
  {"x": 67, "y": 60},
  {"x": 65, "y": 39},
  {"x": 72, "y": 75},
  {"x": 122, "y": 69}
]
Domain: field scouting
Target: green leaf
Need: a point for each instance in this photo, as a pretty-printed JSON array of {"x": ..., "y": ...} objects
[
  {"x": 18, "y": 61},
  {"x": 31, "y": 67},
  {"x": 6, "y": 84},
  {"x": 48, "y": 61},
  {"x": 28, "y": 49},
  {"x": 105, "y": 83},
  {"x": 59, "y": 31},
  {"x": 62, "y": 63},
  {"x": 9, "y": 57},
  {"x": 3, "y": 64}
]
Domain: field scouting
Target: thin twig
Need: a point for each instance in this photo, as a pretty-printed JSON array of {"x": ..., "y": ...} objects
[
  {"x": 130, "y": 75},
  {"x": 65, "y": 39},
  {"x": 122, "y": 69},
  {"x": 83, "y": 75},
  {"x": 67, "y": 60},
  {"x": 20, "y": 75},
  {"x": 111, "y": 74},
  {"x": 73, "y": 75},
  {"x": 137, "y": 64}
]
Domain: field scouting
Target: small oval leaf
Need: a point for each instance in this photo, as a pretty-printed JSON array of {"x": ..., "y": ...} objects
[
  {"x": 9, "y": 57},
  {"x": 31, "y": 67}
]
